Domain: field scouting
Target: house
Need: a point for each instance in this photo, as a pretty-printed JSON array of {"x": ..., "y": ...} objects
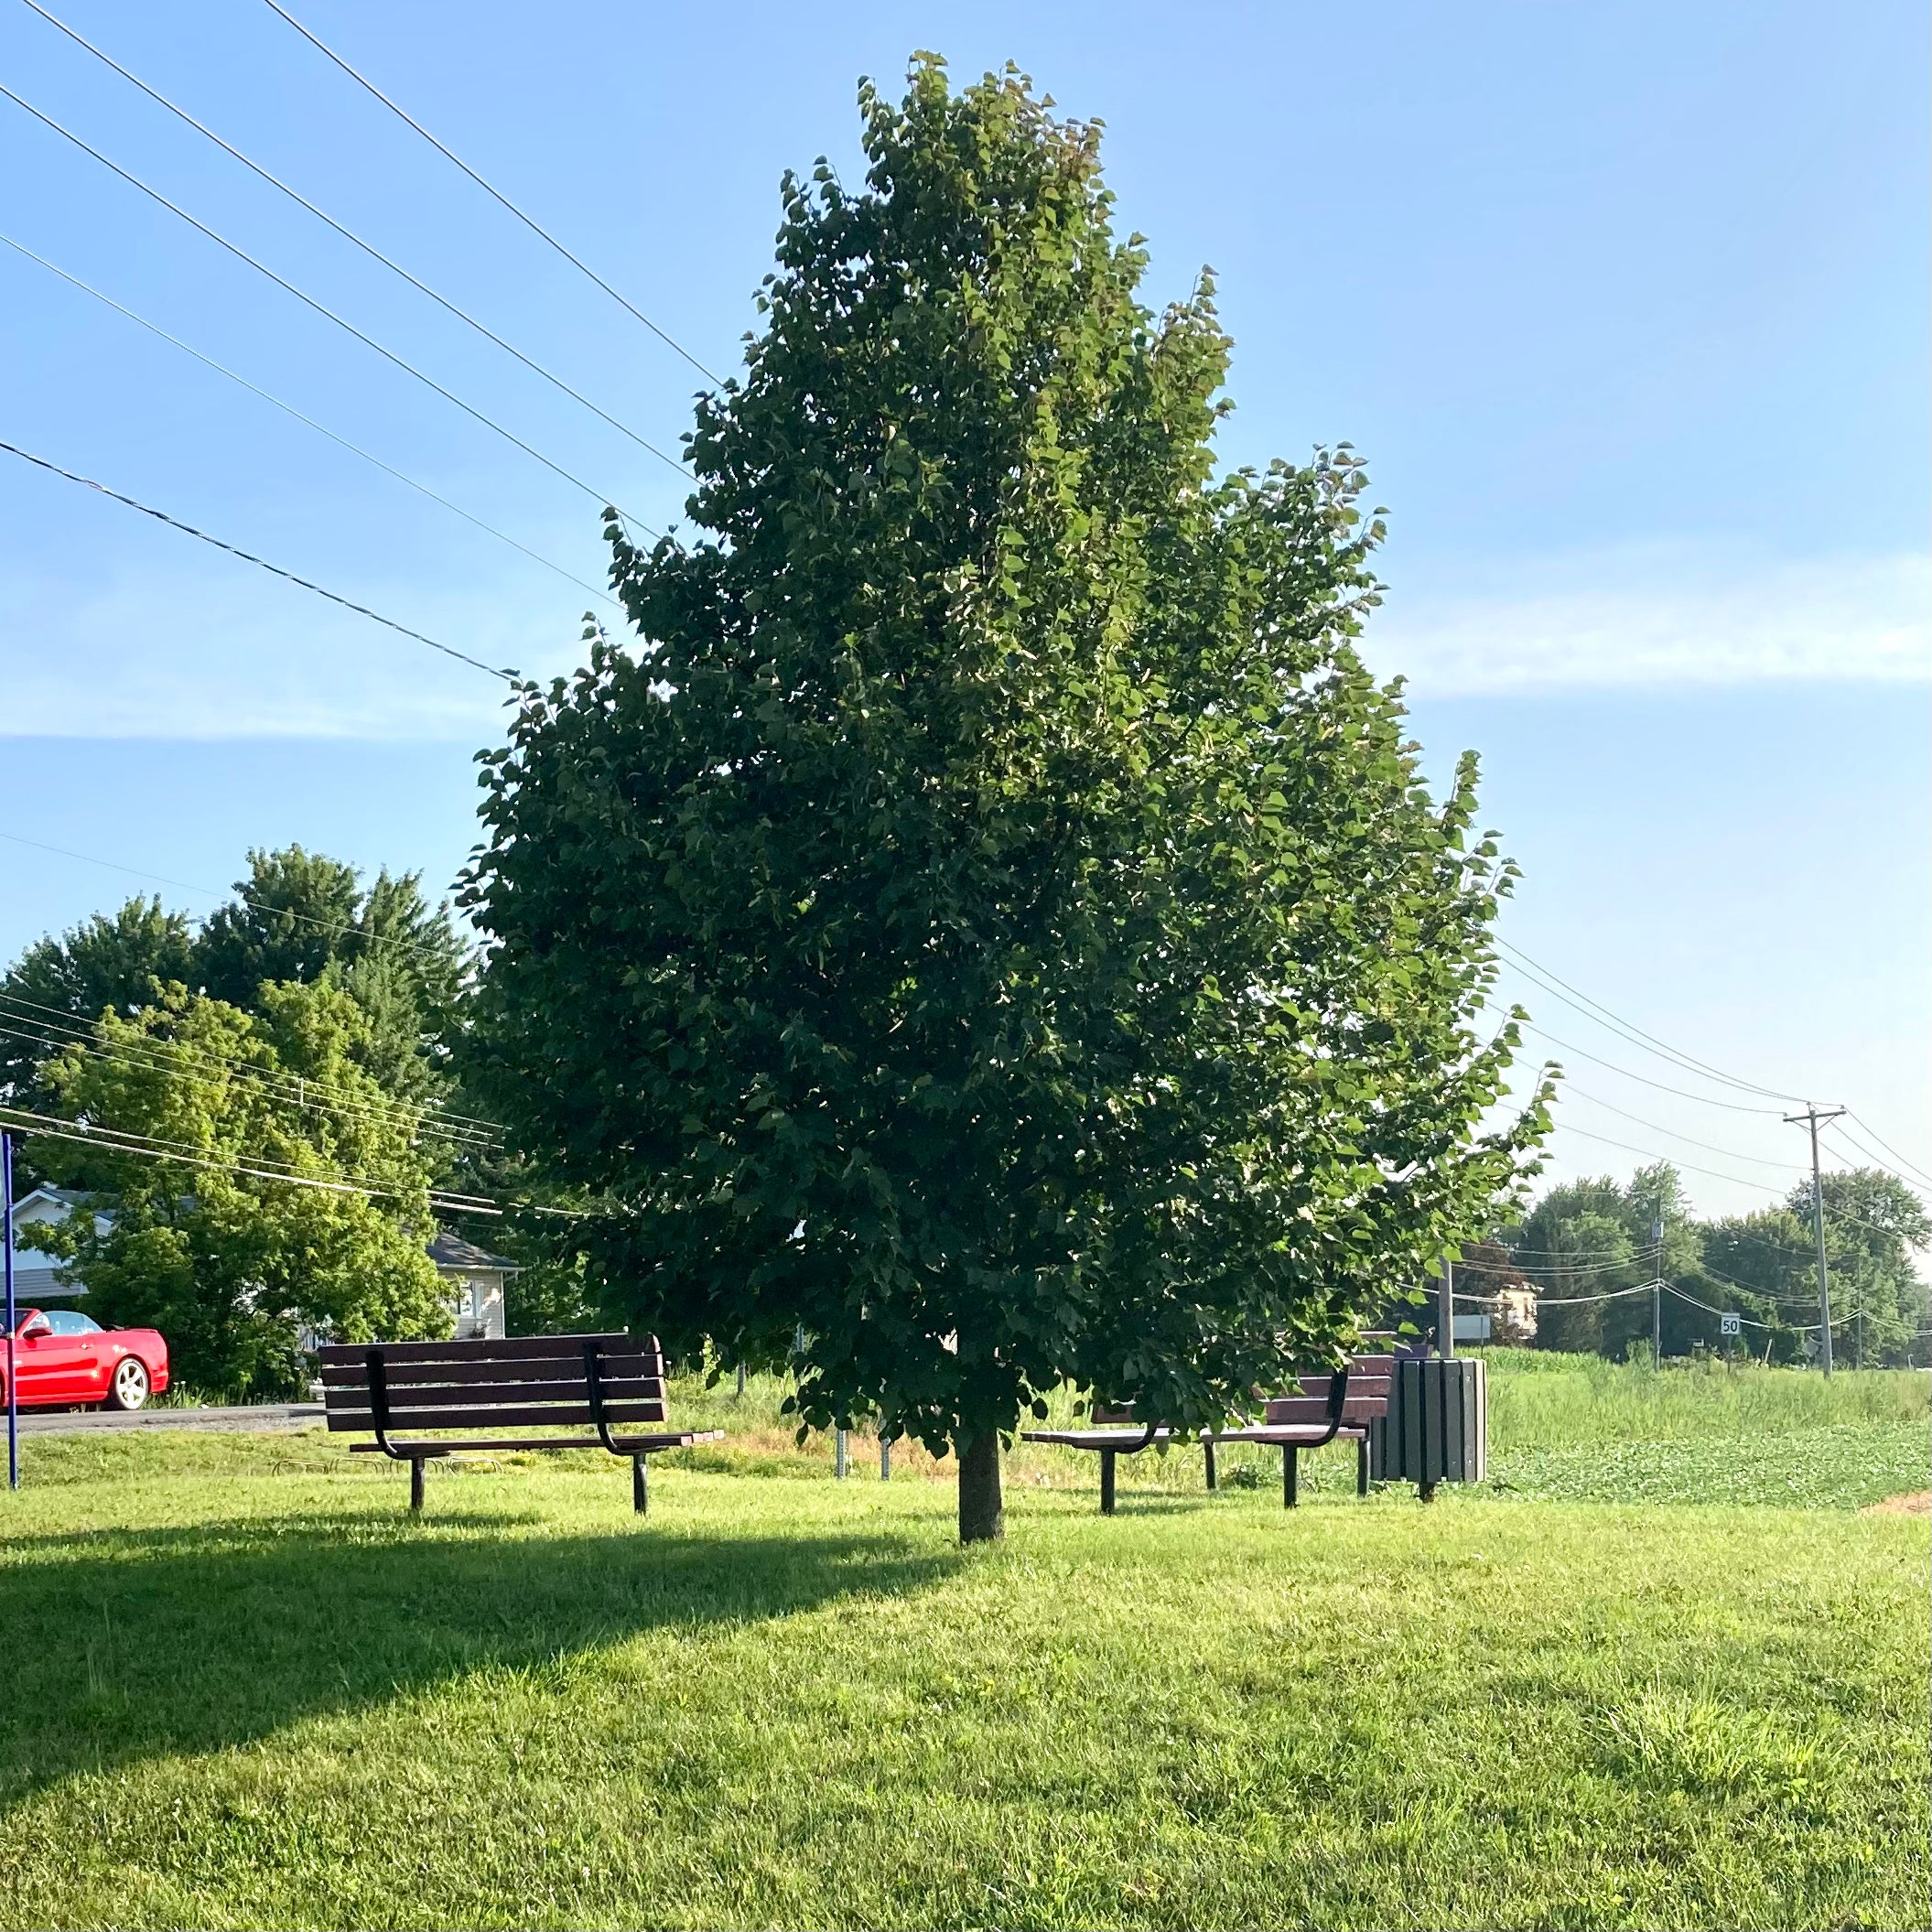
[
  {"x": 475, "y": 1280},
  {"x": 34, "y": 1277}
]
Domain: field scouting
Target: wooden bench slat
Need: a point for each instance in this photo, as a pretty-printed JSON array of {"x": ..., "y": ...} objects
[
  {"x": 648, "y": 1443},
  {"x": 567, "y": 1414},
  {"x": 507, "y": 1349},
  {"x": 488, "y": 1378},
  {"x": 542, "y": 1395}
]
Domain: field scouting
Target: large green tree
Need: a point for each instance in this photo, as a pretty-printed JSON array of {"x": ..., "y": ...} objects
[
  {"x": 296, "y": 1196},
  {"x": 988, "y": 919}
]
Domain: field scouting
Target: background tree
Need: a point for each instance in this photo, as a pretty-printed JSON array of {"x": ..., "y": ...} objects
[
  {"x": 58, "y": 987},
  {"x": 1588, "y": 1239},
  {"x": 299, "y": 916},
  {"x": 1873, "y": 1224},
  {"x": 1762, "y": 1266},
  {"x": 992, "y": 919},
  {"x": 230, "y": 1266}
]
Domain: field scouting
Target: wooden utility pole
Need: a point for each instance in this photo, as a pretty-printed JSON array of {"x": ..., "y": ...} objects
[{"x": 1813, "y": 1117}]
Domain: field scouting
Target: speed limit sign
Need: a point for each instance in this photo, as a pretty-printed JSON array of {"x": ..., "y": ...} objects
[{"x": 1730, "y": 1325}]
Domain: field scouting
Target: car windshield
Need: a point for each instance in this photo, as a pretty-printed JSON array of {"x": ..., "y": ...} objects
[{"x": 71, "y": 1321}]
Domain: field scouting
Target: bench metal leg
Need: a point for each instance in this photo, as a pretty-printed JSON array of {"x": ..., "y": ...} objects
[
  {"x": 640, "y": 1486},
  {"x": 1291, "y": 1476},
  {"x": 416, "y": 1483},
  {"x": 1213, "y": 1481},
  {"x": 1362, "y": 1467},
  {"x": 1107, "y": 1481}
]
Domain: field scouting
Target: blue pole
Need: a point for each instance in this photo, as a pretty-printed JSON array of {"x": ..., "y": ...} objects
[{"x": 6, "y": 1243}]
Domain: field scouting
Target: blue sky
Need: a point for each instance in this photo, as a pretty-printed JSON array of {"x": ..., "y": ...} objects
[{"x": 1626, "y": 305}]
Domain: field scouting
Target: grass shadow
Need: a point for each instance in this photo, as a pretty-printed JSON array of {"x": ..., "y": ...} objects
[{"x": 133, "y": 1644}]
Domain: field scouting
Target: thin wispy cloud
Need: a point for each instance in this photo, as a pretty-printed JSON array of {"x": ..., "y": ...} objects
[
  {"x": 1628, "y": 621},
  {"x": 187, "y": 654}
]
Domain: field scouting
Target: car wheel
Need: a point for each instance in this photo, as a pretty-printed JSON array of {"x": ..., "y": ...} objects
[{"x": 128, "y": 1387}]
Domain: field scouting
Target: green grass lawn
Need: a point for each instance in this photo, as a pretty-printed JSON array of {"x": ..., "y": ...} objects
[{"x": 248, "y": 1690}]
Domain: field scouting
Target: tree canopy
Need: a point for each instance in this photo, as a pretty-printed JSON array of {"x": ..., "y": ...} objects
[
  {"x": 988, "y": 918},
  {"x": 257, "y": 1230},
  {"x": 1589, "y": 1239},
  {"x": 297, "y": 917}
]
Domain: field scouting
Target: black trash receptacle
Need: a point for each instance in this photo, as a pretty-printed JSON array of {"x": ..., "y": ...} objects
[{"x": 1437, "y": 1429}]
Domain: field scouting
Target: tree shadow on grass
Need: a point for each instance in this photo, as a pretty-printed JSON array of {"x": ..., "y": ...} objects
[{"x": 130, "y": 1645}]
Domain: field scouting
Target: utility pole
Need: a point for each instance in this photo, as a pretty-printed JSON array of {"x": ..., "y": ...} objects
[
  {"x": 1813, "y": 1117},
  {"x": 1446, "y": 1309},
  {"x": 1657, "y": 1289},
  {"x": 6, "y": 1250}
]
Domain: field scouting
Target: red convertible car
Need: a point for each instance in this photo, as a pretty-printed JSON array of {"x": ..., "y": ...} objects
[{"x": 63, "y": 1359}]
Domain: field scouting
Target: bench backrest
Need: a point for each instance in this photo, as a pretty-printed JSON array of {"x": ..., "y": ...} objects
[
  {"x": 518, "y": 1383},
  {"x": 1370, "y": 1379}
]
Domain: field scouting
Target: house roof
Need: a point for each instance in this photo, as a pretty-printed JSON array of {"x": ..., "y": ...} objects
[{"x": 449, "y": 1250}]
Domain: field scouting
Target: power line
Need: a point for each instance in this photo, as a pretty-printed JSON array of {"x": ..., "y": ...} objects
[
  {"x": 112, "y": 1140},
  {"x": 350, "y": 235},
  {"x": 1869, "y": 1128},
  {"x": 1651, "y": 1154},
  {"x": 512, "y": 678},
  {"x": 1807, "y": 1328},
  {"x": 1836, "y": 1214},
  {"x": 342, "y": 1113},
  {"x": 320, "y": 428},
  {"x": 388, "y": 355},
  {"x": 1655, "y": 1128},
  {"x": 1600, "y": 1015},
  {"x": 1547, "y": 1301},
  {"x": 1681, "y": 1093},
  {"x": 149, "y": 1147},
  {"x": 175, "y": 1059},
  {"x": 1855, "y": 1147},
  {"x": 64, "y": 1018},
  {"x": 504, "y": 200}
]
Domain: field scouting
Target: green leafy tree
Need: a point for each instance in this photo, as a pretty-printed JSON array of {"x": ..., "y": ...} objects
[
  {"x": 1875, "y": 1227},
  {"x": 302, "y": 917},
  {"x": 991, "y": 920},
  {"x": 58, "y": 987},
  {"x": 252, "y": 1235},
  {"x": 1589, "y": 1243},
  {"x": 1761, "y": 1266}
]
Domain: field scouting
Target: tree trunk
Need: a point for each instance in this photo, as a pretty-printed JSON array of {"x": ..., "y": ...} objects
[{"x": 982, "y": 1515}]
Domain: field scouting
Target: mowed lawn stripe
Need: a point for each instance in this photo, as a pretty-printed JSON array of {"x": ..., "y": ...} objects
[{"x": 266, "y": 1697}]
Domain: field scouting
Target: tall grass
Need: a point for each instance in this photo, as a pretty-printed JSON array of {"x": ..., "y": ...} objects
[{"x": 1546, "y": 1400}]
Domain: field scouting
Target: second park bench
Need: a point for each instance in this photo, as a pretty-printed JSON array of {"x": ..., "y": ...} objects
[{"x": 1327, "y": 1405}]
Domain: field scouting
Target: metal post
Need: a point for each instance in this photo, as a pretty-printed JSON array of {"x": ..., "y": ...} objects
[
  {"x": 1446, "y": 1311},
  {"x": 885, "y": 1459},
  {"x": 1811, "y": 1118},
  {"x": 1657, "y": 1291},
  {"x": 6, "y": 1214},
  {"x": 838, "y": 1454}
]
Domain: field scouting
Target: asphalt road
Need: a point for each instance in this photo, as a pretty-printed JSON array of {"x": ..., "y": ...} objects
[{"x": 266, "y": 1415}]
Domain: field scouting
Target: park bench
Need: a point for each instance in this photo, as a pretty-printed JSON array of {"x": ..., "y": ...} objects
[
  {"x": 1326, "y": 1407},
  {"x": 604, "y": 1382},
  {"x": 1115, "y": 1433}
]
